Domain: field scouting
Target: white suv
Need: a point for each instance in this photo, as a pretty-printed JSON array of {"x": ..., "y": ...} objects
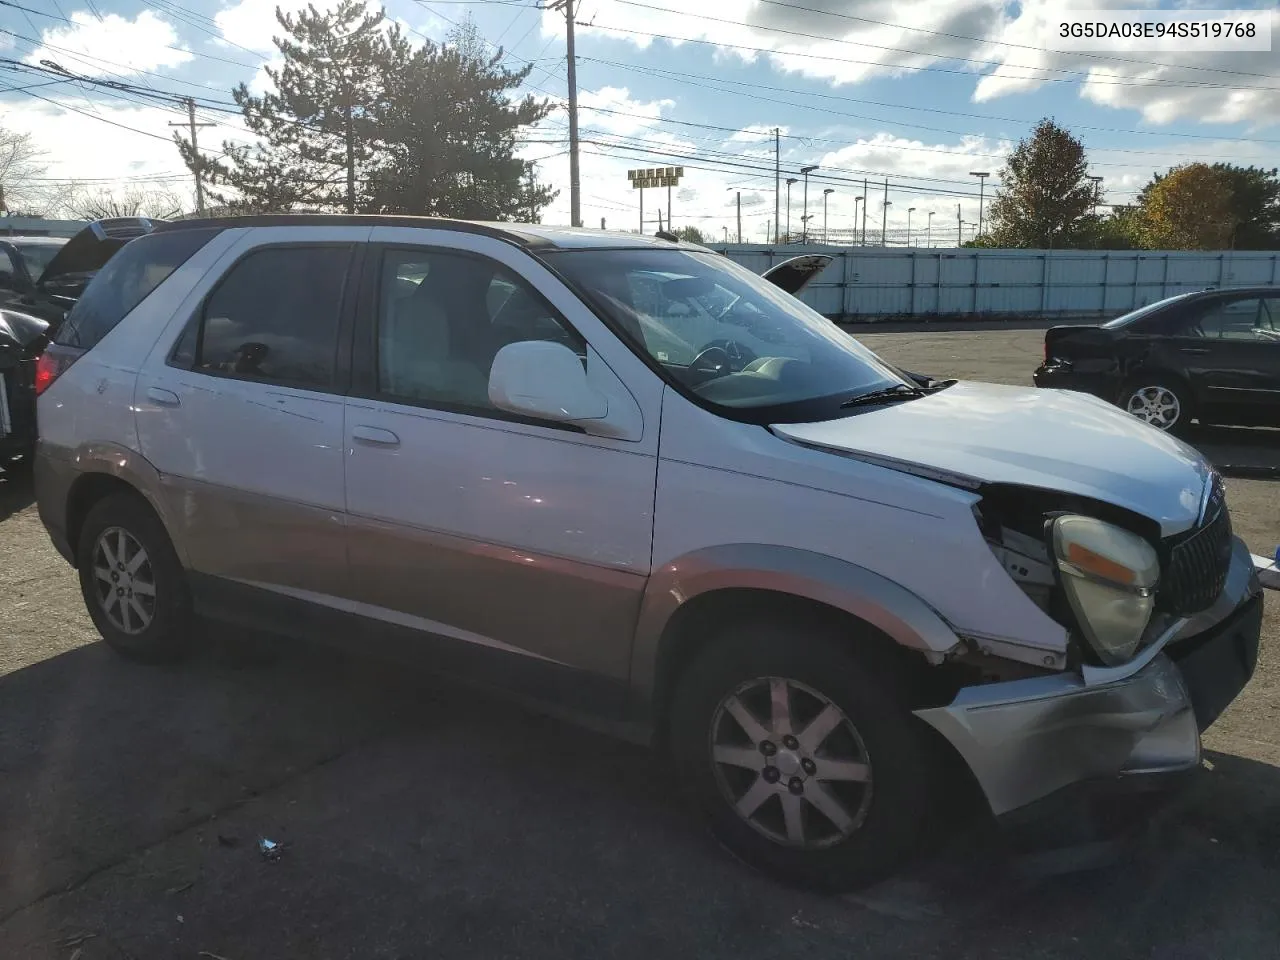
[{"x": 632, "y": 480}]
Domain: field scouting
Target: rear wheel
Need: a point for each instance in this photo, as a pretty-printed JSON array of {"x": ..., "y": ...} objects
[
  {"x": 1163, "y": 403},
  {"x": 802, "y": 758},
  {"x": 132, "y": 581}
]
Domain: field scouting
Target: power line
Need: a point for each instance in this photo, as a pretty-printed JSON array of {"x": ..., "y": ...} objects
[
  {"x": 937, "y": 33},
  {"x": 664, "y": 72},
  {"x": 771, "y": 51}
]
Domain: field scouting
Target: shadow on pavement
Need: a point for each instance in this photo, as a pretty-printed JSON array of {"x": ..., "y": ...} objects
[
  {"x": 423, "y": 820},
  {"x": 1239, "y": 451}
]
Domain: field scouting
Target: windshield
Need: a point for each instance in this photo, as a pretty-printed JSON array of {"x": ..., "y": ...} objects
[
  {"x": 730, "y": 337},
  {"x": 1141, "y": 312},
  {"x": 37, "y": 256}
]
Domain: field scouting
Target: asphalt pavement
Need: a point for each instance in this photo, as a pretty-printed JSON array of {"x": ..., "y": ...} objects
[{"x": 420, "y": 820}]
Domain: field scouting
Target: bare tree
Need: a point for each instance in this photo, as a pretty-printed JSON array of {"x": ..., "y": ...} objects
[
  {"x": 98, "y": 204},
  {"x": 21, "y": 169}
]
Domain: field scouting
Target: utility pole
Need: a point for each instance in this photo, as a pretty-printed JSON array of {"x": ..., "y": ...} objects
[
  {"x": 826, "y": 193},
  {"x": 928, "y": 232},
  {"x": 575, "y": 183},
  {"x": 959, "y": 227},
  {"x": 739, "y": 215},
  {"x": 777, "y": 182},
  {"x": 884, "y": 217},
  {"x": 1097, "y": 192},
  {"x": 192, "y": 126},
  {"x": 669, "y": 207},
  {"x": 910, "y": 211},
  {"x": 865, "y": 203}
]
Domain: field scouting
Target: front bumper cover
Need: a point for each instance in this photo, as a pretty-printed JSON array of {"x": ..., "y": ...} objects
[{"x": 1026, "y": 739}]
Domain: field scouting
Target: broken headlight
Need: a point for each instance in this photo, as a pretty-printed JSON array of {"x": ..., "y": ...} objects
[{"x": 1109, "y": 577}]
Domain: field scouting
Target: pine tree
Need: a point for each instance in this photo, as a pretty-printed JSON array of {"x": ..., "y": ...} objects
[
  {"x": 448, "y": 135},
  {"x": 316, "y": 129},
  {"x": 1045, "y": 195}
]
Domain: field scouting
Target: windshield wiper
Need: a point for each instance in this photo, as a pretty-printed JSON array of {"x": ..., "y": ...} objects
[{"x": 899, "y": 391}]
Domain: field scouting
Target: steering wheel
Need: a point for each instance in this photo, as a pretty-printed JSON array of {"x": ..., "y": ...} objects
[{"x": 713, "y": 361}]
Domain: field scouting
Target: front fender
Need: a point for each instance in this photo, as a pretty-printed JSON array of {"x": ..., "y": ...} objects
[{"x": 887, "y": 606}]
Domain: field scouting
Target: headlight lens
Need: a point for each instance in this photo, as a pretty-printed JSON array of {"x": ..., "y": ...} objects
[{"x": 1109, "y": 576}]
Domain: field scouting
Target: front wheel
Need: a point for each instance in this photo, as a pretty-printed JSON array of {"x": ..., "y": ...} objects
[
  {"x": 803, "y": 760},
  {"x": 1164, "y": 404}
]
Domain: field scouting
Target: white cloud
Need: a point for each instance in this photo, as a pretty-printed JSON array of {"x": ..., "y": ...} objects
[
  {"x": 112, "y": 45},
  {"x": 252, "y": 23},
  {"x": 612, "y": 109}
]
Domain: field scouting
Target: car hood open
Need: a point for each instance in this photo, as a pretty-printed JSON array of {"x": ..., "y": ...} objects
[
  {"x": 975, "y": 433},
  {"x": 795, "y": 274}
]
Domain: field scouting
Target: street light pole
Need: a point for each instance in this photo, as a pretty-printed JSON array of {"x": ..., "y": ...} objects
[
  {"x": 856, "y": 200},
  {"x": 982, "y": 183},
  {"x": 826, "y": 193},
  {"x": 928, "y": 234},
  {"x": 884, "y": 224},
  {"x": 790, "y": 181},
  {"x": 739, "y": 213},
  {"x": 910, "y": 211},
  {"x": 804, "y": 214}
]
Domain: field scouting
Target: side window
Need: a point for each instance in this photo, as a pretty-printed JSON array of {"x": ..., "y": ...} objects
[
  {"x": 443, "y": 317},
  {"x": 1231, "y": 320},
  {"x": 129, "y": 277},
  {"x": 8, "y": 272},
  {"x": 275, "y": 316}
]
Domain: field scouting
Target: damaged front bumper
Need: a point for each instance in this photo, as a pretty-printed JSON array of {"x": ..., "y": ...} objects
[{"x": 1027, "y": 739}]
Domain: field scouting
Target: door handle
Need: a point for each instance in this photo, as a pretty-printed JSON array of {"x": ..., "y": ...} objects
[
  {"x": 374, "y": 436},
  {"x": 1198, "y": 351},
  {"x": 166, "y": 398}
]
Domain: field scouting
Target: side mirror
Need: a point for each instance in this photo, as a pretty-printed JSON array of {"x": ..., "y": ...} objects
[{"x": 539, "y": 378}]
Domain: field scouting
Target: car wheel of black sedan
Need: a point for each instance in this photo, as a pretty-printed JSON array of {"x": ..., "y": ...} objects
[{"x": 1161, "y": 402}]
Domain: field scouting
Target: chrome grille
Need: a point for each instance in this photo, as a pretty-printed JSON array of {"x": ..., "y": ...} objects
[{"x": 1195, "y": 568}]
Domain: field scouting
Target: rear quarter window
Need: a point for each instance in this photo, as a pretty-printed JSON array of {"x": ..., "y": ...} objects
[{"x": 128, "y": 278}]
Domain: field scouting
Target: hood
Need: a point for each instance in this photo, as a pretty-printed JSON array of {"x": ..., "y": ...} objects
[
  {"x": 794, "y": 275},
  {"x": 987, "y": 433},
  {"x": 22, "y": 330},
  {"x": 89, "y": 250}
]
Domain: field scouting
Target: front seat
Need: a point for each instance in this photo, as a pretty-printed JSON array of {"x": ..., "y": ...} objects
[{"x": 416, "y": 358}]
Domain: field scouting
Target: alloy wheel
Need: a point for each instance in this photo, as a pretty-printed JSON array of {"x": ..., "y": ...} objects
[
  {"x": 1158, "y": 406},
  {"x": 124, "y": 581},
  {"x": 790, "y": 763}
]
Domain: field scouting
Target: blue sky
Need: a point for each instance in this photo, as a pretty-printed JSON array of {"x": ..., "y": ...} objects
[{"x": 920, "y": 93}]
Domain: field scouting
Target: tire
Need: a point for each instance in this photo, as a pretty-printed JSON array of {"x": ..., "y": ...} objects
[
  {"x": 1147, "y": 398},
  {"x": 884, "y": 815},
  {"x": 149, "y": 618}
]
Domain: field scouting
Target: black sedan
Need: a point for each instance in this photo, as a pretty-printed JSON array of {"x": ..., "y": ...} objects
[{"x": 1212, "y": 356}]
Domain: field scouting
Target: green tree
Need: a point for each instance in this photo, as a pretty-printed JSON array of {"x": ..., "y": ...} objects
[
  {"x": 1188, "y": 208},
  {"x": 1044, "y": 194},
  {"x": 316, "y": 129},
  {"x": 691, "y": 234},
  {"x": 448, "y": 129},
  {"x": 1255, "y": 205}
]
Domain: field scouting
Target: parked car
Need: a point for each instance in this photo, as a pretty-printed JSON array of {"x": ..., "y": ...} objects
[
  {"x": 527, "y": 457},
  {"x": 43, "y": 276},
  {"x": 1212, "y": 356},
  {"x": 22, "y": 338}
]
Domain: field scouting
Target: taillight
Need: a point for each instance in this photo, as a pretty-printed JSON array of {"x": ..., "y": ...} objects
[{"x": 53, "y": 363}]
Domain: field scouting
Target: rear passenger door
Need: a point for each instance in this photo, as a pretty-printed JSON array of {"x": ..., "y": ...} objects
[
  {"x": 1231, "y": 345},
  {"x": 240, "y": 408},
  {"x": 501, "y": 546}
]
